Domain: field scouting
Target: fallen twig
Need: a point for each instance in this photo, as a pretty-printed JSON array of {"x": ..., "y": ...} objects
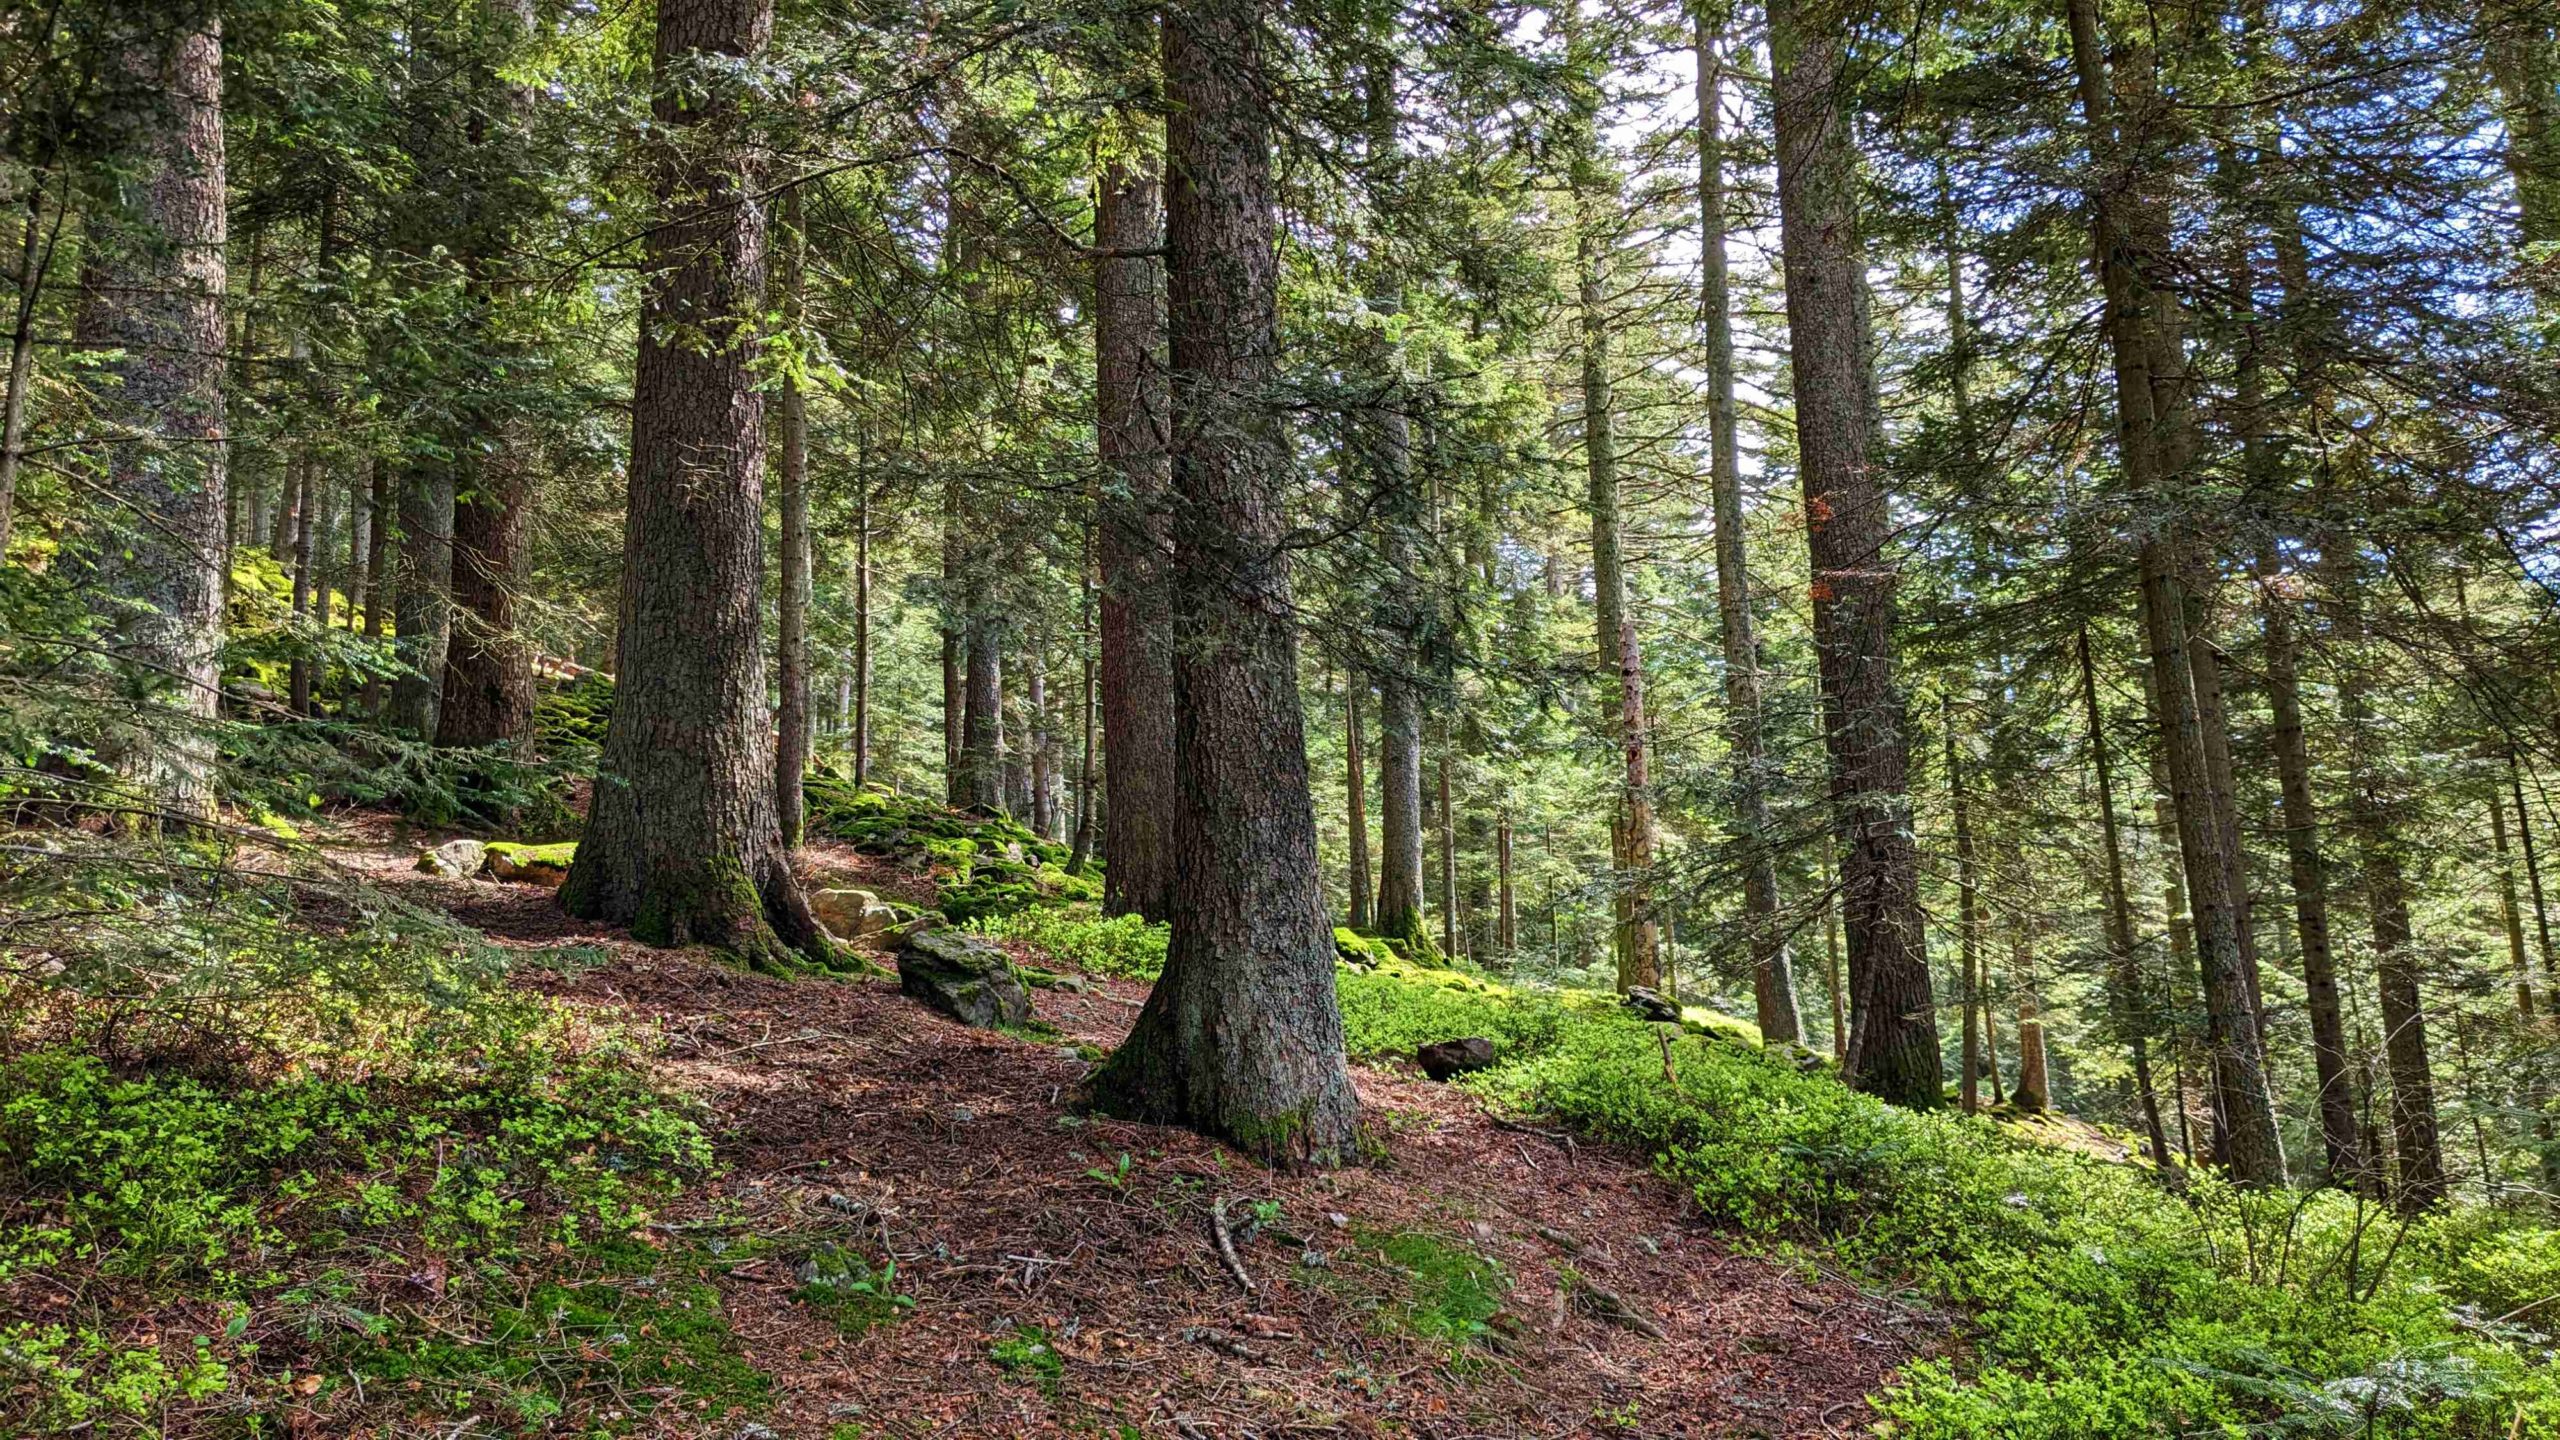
[
  {"x": 1227, "y": 1243},
  {"x": 1602, "y": 1303}
]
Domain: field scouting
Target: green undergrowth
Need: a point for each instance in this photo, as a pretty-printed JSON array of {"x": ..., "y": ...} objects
[
  {"x": 1429, "y": 1288},
  {"x": 277, "y": 1158},
  {"x": 2100, "y": 1302},
  {"x": 984, "y": 866}
]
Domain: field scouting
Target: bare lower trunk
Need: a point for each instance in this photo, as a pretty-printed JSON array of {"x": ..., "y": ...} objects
[
  {"x": 2335, "y": 1102},
  {"x": 154, "y": 285},
  {"x": 860, "y": 680},
  {"x": 1448, "y": 863},
  {"x": 681, "y": 840},
  {"x": 1357, "y": 801},
  {"x": 422, "y": 597},
  {"x": 487, "y": 695},
  {"x": 1968, "y": 926},
  {"x": 1043, "y": 820},
  {"x": 1506, "y": 935},
  {"x": 1242, "y": 1036},
  {"x": 1137, "y": 641},
  {"x": 2127, "y": 1005},
  {"x": 982, "y": 745},
  {"x": 1893, "y": 1038}
]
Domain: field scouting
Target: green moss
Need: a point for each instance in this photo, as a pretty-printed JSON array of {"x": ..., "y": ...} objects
[
  {"x": 557, "y": 855},
  {"x": 717, "y": 905},
  {"x": 850, "y": 1291}
]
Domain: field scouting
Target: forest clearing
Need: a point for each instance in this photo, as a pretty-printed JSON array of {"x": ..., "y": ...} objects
[{"x": 1225, "y": 719}]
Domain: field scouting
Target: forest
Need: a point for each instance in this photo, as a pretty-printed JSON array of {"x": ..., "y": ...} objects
[{"x": 1225, "y": 719}]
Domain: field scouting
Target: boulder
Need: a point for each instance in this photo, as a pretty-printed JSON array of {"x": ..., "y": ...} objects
[
  {"x": 454, "y": 859},
  {"x": 966, "y": 977},
  {"x": 1649, "y": 1005},
  {"x": 854, "y": 916},
  {"x": 1447, "y": 1059},
  {"x": 545, "y": 865}
]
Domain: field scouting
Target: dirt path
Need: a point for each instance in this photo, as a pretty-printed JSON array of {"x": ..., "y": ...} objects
[{"x": 1062, "y": 1271}]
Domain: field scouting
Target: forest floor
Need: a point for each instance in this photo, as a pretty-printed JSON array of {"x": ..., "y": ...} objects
[{"x": 1059, "y": 1274}]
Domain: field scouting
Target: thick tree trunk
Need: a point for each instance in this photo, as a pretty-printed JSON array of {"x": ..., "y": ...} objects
[
  {"x": 791, "y": 621},
  {"x": 1448, "y": 862},
  {"x": 2510, "y": 913},
  {"x": 154, "y": 285},
  {"x": 1137, "y": 640},
  {"x": 1355, "y": 762},
  {"x": 2248, "y": 1128},
  {"x": 1506, "y": 933},
  {"x": 487, "y": 695},
  {"x": 378, "y": 560},
  {"x": 1893, "y": 1038},
  {"x": 2126, "y": 1001},
  {"x": 1399, "y": 914},
  {"x": 307, "y": 491},
  {"x": 982, "y": 747},
  {"x": 1773, "y": 984},
  {"x": 681, "y": 839},
  {"x": 2034, "y": 1090},
  {"x": 2308, "y": 870},
  {"x": 1242, "y": 1036},
  {"x": 1086, "y": 722},
  {"x": 422, "y": 609},
  {"x": 1043, "y": 818}
]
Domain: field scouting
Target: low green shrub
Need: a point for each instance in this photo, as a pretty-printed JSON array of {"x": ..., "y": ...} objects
[
  {"x": 1121, "y": 945},
  {"x": 2101, "y": 1304}
]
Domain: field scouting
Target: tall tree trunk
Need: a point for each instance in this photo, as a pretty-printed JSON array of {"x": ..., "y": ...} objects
[
  {"x": 1356, "y": 803},
  {"x": 1137, "y": 641},
  {"x": 955, "y": 683},
  {"x": 1507, "y": 916},
  {"x": 154, "y": 286},
  {"x": 1773, "y": 981},
  {"x": 2034, "y": 1090},
  {"x": 1893, "y": 1034},
  {"x": 1044, "y": 822},
  {"x": 2126, "y": 1002},
  {"x": 35, "y": 260},
  {"x": 2510, "y": 913},
  {"x": 1968, "y": 923},
  {"x": 1242, "y": 1037},
  {"x": 1401, "y": 604},
  {"x": 378, "y": 599},
  {"x": 681, "y": 840},
  {"x": 1448, "y": 860},
  {"x": 307, "y": 492},
  {"x": 2375, "y": 818},
  {"x": 861, "y": 677},
  {"x": 791, "y": 621},
  {"x": 2256, "y": 1151},
  {"x": 2308, "y": 870},
  {"x": 2533, "y": 881},
  {"x": 1082, "y": 850}
]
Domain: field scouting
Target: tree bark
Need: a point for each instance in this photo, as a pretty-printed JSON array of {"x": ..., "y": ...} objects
[
  {"x": 487, "y": 694},
  {"x": 422, "y": 608},
  {"x": 862, "y": 633},
  {"x": 1137, "y": 642},
  {"x": 1356, "y": 802},
  {"x": 791, "y": 620},
  {"x": 153, "y": 291},
  {"x": 681, "y": 841},
  {"x": 1968, "y": 923},
  {"x": 1773, "y": 983},
  {"x": 2256, "y": 1154},
  {"x": 1893, "y": 1028},
  {"x": 2308, "y": 871},
  {"x": 1242, "y": 1037},
  {"x": 982, "y": 747},
  {"x": 1507, "y": 917},
  {"x": 2126, "y": 1000},
  {"x": 1043, "y": 819},
  {"x": 2510, "y": 913},
  {"x": 1448, "y": 861}
]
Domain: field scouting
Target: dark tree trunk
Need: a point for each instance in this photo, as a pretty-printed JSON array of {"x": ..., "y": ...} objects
[
  {"x": 2335, "y": 1102},
  {"x": 377, "y": 564},
  {"x": 1893, "y": 1027},
  {"x": 154, "y": 286},
  {"x": 681, "y": 840},
  {"x": 791, "y": 476},
  {"x": 1137, "y": 640},
  {"x": 1356, "y": 787},
  {"x": 1242, "y": 1036},
  {"x": 2247, "y": 1129},
  {"x": 982, "y": 751},
  {"x": 2126, "y": 1003},
  {"x": 1044, "y": 814},
  {"x": 1773, "y": 980},
  {"x": 307, "y": 492},
  {"x": 1968, "y": 926},
  {"x": 861, "y": 678},
  {"x": 1448, "y": 862},
  {"x": 487, "y": 695},
  {"x": 1399, "y": 914},
  {"x": 1086, "y": 720},
  {"x": 422, "y": 609}
]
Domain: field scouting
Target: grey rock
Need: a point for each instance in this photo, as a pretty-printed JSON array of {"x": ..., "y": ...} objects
[
  {"x": 1650, "y": 1005},
  {"x": 454, "y": 859},
  {"x": 966, "y": 977}
]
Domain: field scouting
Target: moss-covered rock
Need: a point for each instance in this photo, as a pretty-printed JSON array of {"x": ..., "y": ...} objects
[
  {"x": 545, "y": 865},
  {"x": 967, "y": 977}
]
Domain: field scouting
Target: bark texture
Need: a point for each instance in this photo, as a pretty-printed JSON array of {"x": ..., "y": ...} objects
[
  {"x": 153, "y": 290},
  {"x": 1137, "y": 640},
  {"x": 1242, "y": 1037},
  {"x": 1893, "y": 1028},
  {"x": 791, "y": 621},
  {"x": 1773, "y": 980},
  {"x": 681, "y": 840}
]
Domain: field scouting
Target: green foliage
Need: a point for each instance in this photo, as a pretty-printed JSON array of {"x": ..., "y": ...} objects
[
  {"x": 1121, "y": 945},
  {"x": 2102, "y": 1304},
  {"x": 1027, "y": 1352},
  {"x": 571, "y": 716},
  {"x": 852, "y": 1292},
  {"x": 1451, "y": 1293},
  {"x": 986, "y": 867}
]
